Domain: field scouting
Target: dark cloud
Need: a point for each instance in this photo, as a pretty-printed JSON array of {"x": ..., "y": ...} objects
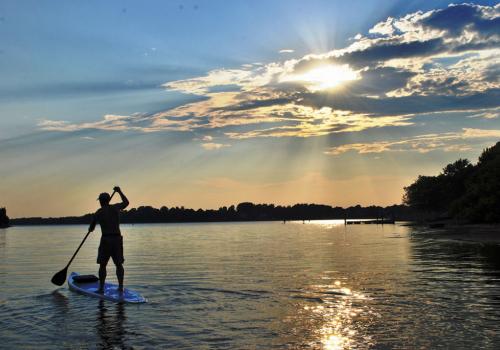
[
  {"x": 379, "y": 81},
  {"x": 447, "y": 86},
  {"x": 246, "y": 105},
  {"x": 387, "y": 51},
  {"x": 492, "y": 73},
  {"x": 382, "y": 106},
  {"x": 488, "y": 27},
  {"x": 402, "y": 105},
  {"x": 475, "y": 46},
  {"x": 380, "y": 51},
  {"x": 455, "y": 18}
]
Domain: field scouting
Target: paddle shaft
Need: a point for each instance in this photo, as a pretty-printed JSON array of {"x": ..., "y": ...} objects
[
  {"x": 88, "y": 233},
  {"x": 83, "y": 241}
]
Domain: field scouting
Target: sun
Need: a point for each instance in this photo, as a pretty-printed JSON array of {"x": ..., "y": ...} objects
[{"x": 324, "y": 77}]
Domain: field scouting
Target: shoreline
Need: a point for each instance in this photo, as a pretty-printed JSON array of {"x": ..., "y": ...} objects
[{"x": 350, "y": 221}]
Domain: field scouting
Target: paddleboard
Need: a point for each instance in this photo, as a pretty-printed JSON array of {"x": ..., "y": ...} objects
[{"x": 111, "y": 292}]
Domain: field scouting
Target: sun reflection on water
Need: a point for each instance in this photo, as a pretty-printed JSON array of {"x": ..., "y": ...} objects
[
  {"x": 338, "y": 316},
  {"x": 335, "y": 342},
  {"x": 327, "y": 223}
]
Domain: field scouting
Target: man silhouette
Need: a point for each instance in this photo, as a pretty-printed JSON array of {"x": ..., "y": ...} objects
[{"x": 111, "y": 246}]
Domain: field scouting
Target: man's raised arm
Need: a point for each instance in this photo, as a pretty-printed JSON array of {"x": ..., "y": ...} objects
[{"x": 124, "y": 202}]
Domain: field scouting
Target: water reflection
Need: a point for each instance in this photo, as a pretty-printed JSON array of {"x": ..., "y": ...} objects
[
  {"x": 333, "y": 315},
  {"x": 110, "y": 325},
  {"x": 60, "y": 301},
  {"x": 468, "y": 254},
  {"x": 258, "y": 286},
  {"x": 341, "y": 310},
  {"x": 463, "y": 277},
  {"x": 327, "y": 223}
]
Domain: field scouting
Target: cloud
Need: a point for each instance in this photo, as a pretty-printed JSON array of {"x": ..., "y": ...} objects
[
  {"x": 110, "y": 122},
  {"x": 424, "y": 62},
  {"x": 384, "y": 28},
  {"x": 491, "y": 114},
  {"x": 324, "y": 121},
  {"x": 210, "y": 146},
  {"x": 447, "y": 142},
  {"x": 286, "y": 51},
  {"x": 480, "y": 133}
]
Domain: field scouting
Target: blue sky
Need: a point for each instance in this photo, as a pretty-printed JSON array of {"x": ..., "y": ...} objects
[{"x": 208, "y": 103}]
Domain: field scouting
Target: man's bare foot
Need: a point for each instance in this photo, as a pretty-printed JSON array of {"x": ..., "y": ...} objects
[
  {"x": 120, "y": 289},
  {"x": 100, "y": 291}
]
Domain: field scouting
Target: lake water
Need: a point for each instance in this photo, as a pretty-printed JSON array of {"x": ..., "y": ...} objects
[{"x": 318, "y": 285}]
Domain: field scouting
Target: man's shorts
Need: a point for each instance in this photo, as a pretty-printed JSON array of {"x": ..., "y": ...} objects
[{"x": 111, "y": 247}]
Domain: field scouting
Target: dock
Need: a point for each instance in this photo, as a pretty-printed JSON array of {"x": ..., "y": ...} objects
[{"x": 381, "y": 221}]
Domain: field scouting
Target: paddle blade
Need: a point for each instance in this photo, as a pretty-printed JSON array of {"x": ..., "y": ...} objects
[{"x": 59, "y": 278}]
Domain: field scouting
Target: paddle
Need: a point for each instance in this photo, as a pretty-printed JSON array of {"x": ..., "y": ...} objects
[{"x": 59, "y": 278}]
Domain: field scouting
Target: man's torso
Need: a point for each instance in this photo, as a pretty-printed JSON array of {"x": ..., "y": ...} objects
[{"x": 109, "y": 219}]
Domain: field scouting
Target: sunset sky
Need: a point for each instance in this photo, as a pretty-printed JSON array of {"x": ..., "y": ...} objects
[{"x": 211, "y": 103}]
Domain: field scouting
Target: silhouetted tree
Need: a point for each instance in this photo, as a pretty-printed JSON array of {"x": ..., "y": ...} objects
[
  {"x": 481, "y": 201},
  {"x": 462, "y": 190},
  {"x": 425, "y": 194},
  {"x": 454, "y": 179}
]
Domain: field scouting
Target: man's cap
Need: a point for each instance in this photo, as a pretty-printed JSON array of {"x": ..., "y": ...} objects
[{"x": 104, "y": 197}]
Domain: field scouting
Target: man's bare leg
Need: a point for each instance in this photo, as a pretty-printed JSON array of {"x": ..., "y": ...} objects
[
  {"x": 102, "y": 277},
  {"x": 120, "y": 272}
]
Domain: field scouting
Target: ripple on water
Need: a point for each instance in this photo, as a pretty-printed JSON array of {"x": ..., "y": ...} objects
[{"x": 256, "y": 286}]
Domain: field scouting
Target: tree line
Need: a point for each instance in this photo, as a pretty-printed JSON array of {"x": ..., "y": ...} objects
[
  {"x": 246, "y": 211},
  {"x": 463, "y": 191}
]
